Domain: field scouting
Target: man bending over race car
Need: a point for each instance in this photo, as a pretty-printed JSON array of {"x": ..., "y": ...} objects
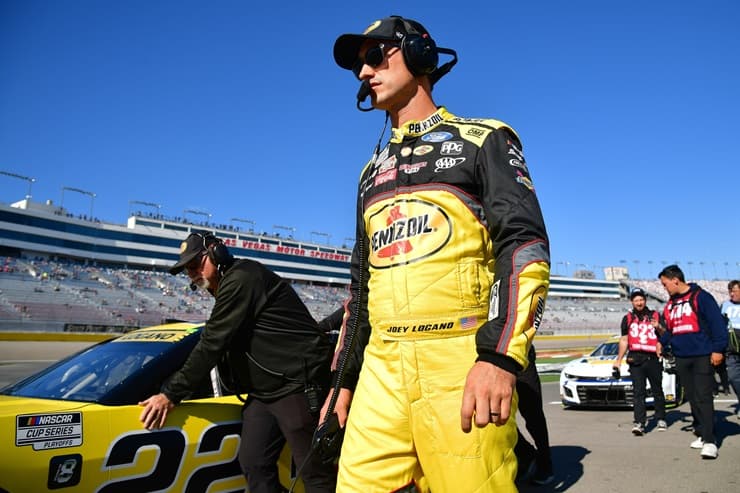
[{"x": 262, "y": 335}]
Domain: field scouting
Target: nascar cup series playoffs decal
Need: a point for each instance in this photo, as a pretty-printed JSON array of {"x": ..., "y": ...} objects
[{"x": 49, "y": 431}]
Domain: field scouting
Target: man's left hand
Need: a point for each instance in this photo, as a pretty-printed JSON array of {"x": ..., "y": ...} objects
[
  {"x": 717, "y": 358},
  {"x": 487, "y": 396},
  {"x": 155, "y": 411}
]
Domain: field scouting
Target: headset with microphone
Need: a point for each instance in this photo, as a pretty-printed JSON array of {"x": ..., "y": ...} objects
[
  {"x": 421, "y": 56},
  {"x": 216, "y": 251},
  {"x": 362, "y": 95}
]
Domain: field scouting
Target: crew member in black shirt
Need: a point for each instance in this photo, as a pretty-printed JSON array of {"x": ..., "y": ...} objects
[
  {"x": 643, "y": 358},
  {"x": 263, "y": 337}
]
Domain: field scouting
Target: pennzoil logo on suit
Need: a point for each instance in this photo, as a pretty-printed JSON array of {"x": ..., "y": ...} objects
[{"x": 405, "y": 231}]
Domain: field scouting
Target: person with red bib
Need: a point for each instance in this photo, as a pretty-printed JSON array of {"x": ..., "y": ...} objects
[
  {"x": 643, "y": 358},
  {"x": 697, "y": 333}
]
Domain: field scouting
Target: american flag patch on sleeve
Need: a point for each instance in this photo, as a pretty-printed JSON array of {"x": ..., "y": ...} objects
[{"x": 468, "y": 322}]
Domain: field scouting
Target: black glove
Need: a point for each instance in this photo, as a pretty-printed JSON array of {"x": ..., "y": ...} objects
[
  {"x": 327, "y": 439},
  {"x": 616, "y": 373}
]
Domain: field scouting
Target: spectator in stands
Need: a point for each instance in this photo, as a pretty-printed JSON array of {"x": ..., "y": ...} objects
[
  {"x": 449, "y": 275},
  {"x": 643, "y": 358},
  {"x": 697, "y": 334},
  {"x": 731, "y": 310},
  {"x": 273, "y": 350},
  {"x": 529, "y": 389}
]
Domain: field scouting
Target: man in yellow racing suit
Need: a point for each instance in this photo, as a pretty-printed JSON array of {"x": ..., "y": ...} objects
[{"x": 449, "y": 277}]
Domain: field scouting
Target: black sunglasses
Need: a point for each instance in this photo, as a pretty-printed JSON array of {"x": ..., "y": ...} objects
[{"x": 373, "y": 57}]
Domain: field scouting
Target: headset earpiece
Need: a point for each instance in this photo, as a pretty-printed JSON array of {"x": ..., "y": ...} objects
[
  {"x": 419, "y": 50},
  {"x": 216, "y": 250},
  {"x": 219, "y": 254},
  {"x": 420, "y": 54}
]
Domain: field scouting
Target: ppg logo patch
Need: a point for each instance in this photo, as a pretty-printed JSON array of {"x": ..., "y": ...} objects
[
  {"x": 451, "y": 148},
  {"x": 64, "y": 471}
]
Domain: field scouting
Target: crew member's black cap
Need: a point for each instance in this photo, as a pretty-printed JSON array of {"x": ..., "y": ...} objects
[
  {"x": 189, "y": 249},
  {"x": 637, "y": 292},
  {"x": 393, "y": 28}
]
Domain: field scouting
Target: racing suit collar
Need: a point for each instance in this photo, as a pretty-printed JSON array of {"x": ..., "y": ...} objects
[{"x": 413, "y": 128}]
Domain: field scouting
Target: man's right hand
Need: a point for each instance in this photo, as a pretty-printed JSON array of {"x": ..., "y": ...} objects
[
  {"x": 156, "y": 409},
  {"x": 616, "y": 372},
  {"x": 659, "y": 329}
]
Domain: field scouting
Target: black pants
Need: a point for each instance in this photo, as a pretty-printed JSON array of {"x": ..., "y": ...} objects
[
  {"x": 265, "y": 429},
  {"x": 650, "y": 370},
  {"x": 529, "y": 388},
  {"x": 697, "y": 377}
]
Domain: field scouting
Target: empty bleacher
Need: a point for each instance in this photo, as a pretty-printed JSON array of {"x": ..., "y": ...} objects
[{"x": 43, "y": 294}]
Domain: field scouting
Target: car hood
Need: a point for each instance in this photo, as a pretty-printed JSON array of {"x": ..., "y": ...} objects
[
  {"x": 12, "y": 405},
  {"x": 594, "y": 366}
]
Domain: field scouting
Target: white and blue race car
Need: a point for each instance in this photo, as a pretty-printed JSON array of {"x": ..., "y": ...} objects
[{"x": 588, "y": 381}]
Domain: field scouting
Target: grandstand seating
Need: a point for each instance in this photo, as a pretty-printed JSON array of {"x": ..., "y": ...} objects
[
  {"x": 582, "y": 316},
  {"x": 717, "y": 288},
  {"x": 43, "y": 294}
]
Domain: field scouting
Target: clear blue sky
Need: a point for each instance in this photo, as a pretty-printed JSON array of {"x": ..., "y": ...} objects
[{"x": 628, "y": 112}]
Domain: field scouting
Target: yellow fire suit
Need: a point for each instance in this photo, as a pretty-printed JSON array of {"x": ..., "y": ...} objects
[{"x": 451, "y": 266}]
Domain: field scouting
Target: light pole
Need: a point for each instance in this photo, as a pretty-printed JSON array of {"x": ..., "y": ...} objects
[
  {"x": 350, "y": 239},
  {"x": 248, "y": 221},
  {"x": 319, "y": 233},
  {"x": 200, "y": 213},
  {"x": 287, "y": 228},
  {"x": 21, "y": 177},
  {"x": 83, "y": 192},
  {"x": 624, "y": 263},
  {"x": 149, "y": 204}
]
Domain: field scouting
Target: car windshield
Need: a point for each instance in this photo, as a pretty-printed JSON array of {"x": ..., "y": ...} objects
[
  {"x": 91, "y": 374},
  {"x": 606, "y": 349}
]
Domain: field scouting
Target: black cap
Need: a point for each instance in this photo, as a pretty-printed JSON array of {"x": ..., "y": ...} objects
[
  {"x": 637, "y": 292},
  {"x": 393, "y": 28},
  {"x": 193, "y": 246}
]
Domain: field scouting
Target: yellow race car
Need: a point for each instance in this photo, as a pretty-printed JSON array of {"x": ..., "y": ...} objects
[{"x": 74, "y": 427}]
